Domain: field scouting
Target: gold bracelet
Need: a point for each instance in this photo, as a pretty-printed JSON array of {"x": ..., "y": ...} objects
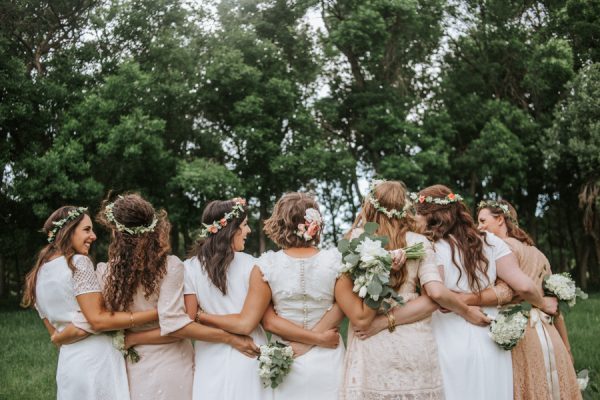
[
  {"x": 200, "y": 311},
  {"x": 131, "y": 320},
  {"x": 391, "y": 321}
]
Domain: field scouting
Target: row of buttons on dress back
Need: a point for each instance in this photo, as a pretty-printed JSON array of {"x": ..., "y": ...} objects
[{"x": 304, "y": 296}]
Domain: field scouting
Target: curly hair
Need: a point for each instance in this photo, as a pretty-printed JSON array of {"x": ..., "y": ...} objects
[
  {"x": 288, "y": 213},
  {"x": 61, "y": 245},
  {"x": 454, "y": 223},
  {"x": 134, "y": 260},
  {"x": 512, "y": 228},
  {"x": 391, "y": 195},
  {"x": 215, "y": 252}
]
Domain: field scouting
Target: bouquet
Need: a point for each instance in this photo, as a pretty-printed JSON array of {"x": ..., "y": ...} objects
[
  {"x": 274, "y": 363},
  {"x": 508, "y": 328},
  {"x": 118, "y": 341},
  {"x": 589, "y": 389},
  {"x": 415, "y": 252},
  {"x": 368, "y": 264},
  {"x": 562, "y": 286}
]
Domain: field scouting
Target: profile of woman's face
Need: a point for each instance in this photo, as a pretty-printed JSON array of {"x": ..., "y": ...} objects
[
  {"x": 239, "y": 238},
  {"x": 488, "y": 222},
  {"x": 83, "y": 236}
]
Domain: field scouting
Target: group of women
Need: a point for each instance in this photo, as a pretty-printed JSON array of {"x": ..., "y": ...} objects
[{"x": 435, "y": 346}]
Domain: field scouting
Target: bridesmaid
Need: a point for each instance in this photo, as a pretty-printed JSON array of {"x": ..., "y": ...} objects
[
  {"x": 473, "y": 366},
  {"x": 140, "y": 275},
  {"x": 217, "y": 277},
  {"x": 299, "y": 279},
  {"x": 62, "y": 284},
  {"x": 542, "y": 361},
  {"x": 392, "y": 363}
]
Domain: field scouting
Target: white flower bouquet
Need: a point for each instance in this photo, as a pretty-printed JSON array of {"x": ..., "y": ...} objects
[
  {"x": 118, "y": 342},
  {"x": 589, "y": 389},
  {"x": 274, "y": 363},
  {"x": 368, "y": 264},
  {"x": 508, "y": 328},
  {"x": 563, "y": 287}
]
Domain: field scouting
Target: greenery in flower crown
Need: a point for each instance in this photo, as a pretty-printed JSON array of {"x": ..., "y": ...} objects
[
  {"x": 72, "y": 215},
  {"x": 136, "y": 230},
  {"x": 451, "y": 198},
  {"x": 393, "y": 213},
  {"x": 216, "y": 226}
]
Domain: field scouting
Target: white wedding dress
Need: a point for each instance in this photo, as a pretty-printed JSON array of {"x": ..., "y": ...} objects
[
  {"x": 303, "y": 290},
  {"x": 221, "y": 371},
  {"x": 473, "y": 366},
  {"x": 92, "y": 368}
]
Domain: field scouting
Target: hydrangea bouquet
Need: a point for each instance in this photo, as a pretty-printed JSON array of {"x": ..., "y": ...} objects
[
  {"x": 118, "y": 341},
  {"x": 508, "y": 328},
  {"x": 274, "y": 363},
  {"x": 562, "y": 286},
  {"x": 368, "y": 264}
]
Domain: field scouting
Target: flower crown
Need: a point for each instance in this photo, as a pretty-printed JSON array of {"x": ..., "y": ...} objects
[
  {"x": 442, "y": 201},
  {"x": 216, "y": 226},
  {"x": 311, "y": 226},
  {"x": 393, "y": 213},
  {"x": 494, "y": 204},
  {"x": 136, "y": 230},
  {"x": 71, "y": 215}
]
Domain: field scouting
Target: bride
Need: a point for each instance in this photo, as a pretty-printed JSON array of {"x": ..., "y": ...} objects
[{"x": 299, "y": 280}]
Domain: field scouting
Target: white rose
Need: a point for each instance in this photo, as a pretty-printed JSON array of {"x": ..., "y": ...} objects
[
  {"x": 312, "y": 215},
  {"x": 583, "y": 382},
  {"x": 370, "y": 249}
]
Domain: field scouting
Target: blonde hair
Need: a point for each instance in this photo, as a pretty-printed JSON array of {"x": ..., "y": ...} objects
[
  {"x": 391, "y": 195},
  {"x": 287, "y": 214}
]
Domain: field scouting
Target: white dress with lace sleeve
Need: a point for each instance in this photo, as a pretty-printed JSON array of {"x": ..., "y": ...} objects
[
  {"x": 303, "y": 291},
  {"x": 91, "y": 368}
]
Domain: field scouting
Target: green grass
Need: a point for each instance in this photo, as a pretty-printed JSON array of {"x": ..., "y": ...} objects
[{"x": 28, "y": 359}]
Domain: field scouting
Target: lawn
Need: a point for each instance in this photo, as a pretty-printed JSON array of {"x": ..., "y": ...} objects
[{"x": 29, "y": 359}]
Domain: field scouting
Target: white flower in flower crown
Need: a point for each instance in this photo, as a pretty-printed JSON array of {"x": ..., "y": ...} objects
[{"x": 369, "y": 250}]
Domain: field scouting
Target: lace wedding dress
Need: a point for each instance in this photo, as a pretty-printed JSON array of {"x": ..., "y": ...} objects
[
  {"x": 92, "y": 368},
  {"x": 303, "y": 290}
]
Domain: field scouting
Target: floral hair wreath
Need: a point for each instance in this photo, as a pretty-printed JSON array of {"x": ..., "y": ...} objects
[
  {"x": 71, "y": 215},
  {"x": 393, "y": 213},
  {"x": 216, "y": 226},
  {"x": 502, "y": 207},
  {"x": 442, "y": 201},
  {"x": 311, "y": 226},
  {"x": 136, "y": 230}
]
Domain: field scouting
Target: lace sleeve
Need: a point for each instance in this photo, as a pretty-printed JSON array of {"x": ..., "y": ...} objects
[
  {"x": 171, "y": 308},
  {"x": 264, "y": 264},
  {"x": 188, "y": 276},
  {"x": 84, "y": 277}
]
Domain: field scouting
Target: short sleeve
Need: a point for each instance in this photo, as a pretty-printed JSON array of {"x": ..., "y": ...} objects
[
  {"x": 84, "y": 277},
  {"x": 335, "y": 261},
  {"x": 188, "y": 276},
  {"x": 264, "y": 263},
  {"x": 82, "y": 323},
  {"x": 429, "y": 268},
  {"x": 499, "y": 247},
  {"x": 39, "y": 311},
  {"x": 171, "y": 308}
]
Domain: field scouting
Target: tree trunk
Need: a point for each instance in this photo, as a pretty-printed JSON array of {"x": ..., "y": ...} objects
[
  {"x": 2, "y": 278},
  {"x": 262, "y": 240},
  {"x": 583, "y": 266}
]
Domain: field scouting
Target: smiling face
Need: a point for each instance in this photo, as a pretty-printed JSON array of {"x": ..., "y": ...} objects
[
  {"x": 83, "y": 236},
  {"x": 489, "y": 222},
  {"x": 238, "y": 243}
]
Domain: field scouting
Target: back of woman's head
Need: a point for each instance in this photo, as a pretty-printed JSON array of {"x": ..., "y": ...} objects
[
  {"x": 502, "y": 208},
  {"x": 387, "y": 205},
  {"x": 448, "y": 218},
  {"x": 214, "y": 248},
  {"x": 59, "y": 229},
  {"x": 288, "y": 225},
  {"x": 138, "y": 250}
]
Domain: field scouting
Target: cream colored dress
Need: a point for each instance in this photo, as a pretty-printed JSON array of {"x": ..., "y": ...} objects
[
  {"x": 542, "y": 367},
  {"x": 165, "y": 371},
  {"x": 403, "y": 364}
]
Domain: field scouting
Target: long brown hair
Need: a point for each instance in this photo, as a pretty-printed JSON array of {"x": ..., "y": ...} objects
[
  {"x": 287, "y": 214},
  {"x": 512, "y": 227},
  {"x": 454, "y": 223},
  {"x": 61, "y": 245},
  {"x": 391, "y": 195},
  {"x": 134, "y": 259},
  {"x": 215, "y": 252}
]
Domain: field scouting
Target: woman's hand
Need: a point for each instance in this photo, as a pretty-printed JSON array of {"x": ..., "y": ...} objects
[
  {"x": 475, "y": 316},
  {"x": 550, "y": 305},
  {"x": 300, "y": 348},
  {"x": 398, "y": 259},
  {"x": 379, "y": 323},
  {"x": 330, "y": 338},
  {"x": 245, "y": 345}
]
